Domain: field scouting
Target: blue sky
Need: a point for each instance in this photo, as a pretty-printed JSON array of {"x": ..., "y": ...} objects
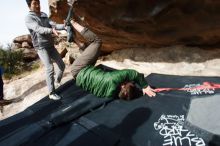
[{"x": 12, "y": 14}]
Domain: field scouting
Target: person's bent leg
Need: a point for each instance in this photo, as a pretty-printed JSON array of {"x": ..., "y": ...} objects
[
  {"x": 88, "y": 57},
  {"x": 45, "y": 59},
  {"x": 61, "y": 65},
  {"x": 91, "y": 52},
  {"x": 88, "y": 35}
]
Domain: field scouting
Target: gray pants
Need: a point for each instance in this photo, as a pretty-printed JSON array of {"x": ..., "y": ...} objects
[
  {"x": 89, "y": 55},
  {"x": 47, "y": 55}
]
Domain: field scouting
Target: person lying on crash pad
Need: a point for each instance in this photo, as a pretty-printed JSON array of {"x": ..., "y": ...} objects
[
  {"x": 117, "y": 83},
  {"x": 101, "y": 82}
]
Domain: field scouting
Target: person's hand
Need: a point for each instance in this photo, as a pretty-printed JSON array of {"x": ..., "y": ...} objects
[
  {"x": 65, "y": 24},
  {"x": 72, "y": 21},
  {"x": 149, "y": 91},
  {"x": 55, "y": 32},
  {"x": 71, "y": 2}
]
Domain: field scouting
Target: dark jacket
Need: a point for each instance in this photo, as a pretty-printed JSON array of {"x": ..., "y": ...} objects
[
  {"x": 106, "y": 84},
  {"x": 1, "y": 84},
  {"x": 1, "y": 70}
]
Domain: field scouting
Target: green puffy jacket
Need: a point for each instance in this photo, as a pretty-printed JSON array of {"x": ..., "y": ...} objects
[{"x": 106, "y": 83}]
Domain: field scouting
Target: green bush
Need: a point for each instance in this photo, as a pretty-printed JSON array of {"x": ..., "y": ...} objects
[{"x": 11, "y": 61}]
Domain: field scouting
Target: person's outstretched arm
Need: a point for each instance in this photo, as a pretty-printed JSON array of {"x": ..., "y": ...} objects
[
  {"x": 57, "y": 26},
  {"x": 32, "y": 24},
  {"x": 149, "y": 91},
  {"x": 133, "y": 75},
  {"x": 146, "y": 89}
]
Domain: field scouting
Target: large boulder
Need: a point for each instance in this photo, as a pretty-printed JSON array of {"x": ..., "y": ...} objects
[
  {"x": 23, "y": 38},
  {"x": 16, "y": 46},
  {"x": 140, "y": 23},
  {"x": 25, "y": 45},
  {"x": 28, "y": 54}
]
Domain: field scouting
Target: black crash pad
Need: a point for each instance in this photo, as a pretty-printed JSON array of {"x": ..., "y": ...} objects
[{"x": 174, "y": 118}]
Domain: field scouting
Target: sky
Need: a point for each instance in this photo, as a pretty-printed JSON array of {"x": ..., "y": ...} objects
[{"x": 12, "y": 14}]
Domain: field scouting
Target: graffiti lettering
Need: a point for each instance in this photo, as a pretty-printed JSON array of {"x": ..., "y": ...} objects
[
  {"x": 171, "y": 128},
  {"x": 195, "y": 91}
]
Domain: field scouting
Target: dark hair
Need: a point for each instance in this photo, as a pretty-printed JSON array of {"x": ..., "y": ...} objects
[
  {"x": 29, "y": 2},
  {"x": 129, "y": 92}
]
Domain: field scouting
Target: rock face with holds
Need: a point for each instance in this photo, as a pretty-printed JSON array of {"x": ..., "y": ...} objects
[{"x": 142, "y": 23}]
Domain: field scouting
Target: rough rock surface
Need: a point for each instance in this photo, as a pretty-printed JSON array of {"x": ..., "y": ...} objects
[
  {"x": 127, "y": 23},
  {"x": 23, "y": 38}
]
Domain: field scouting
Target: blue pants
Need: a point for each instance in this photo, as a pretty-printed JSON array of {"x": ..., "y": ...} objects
[{"x": 1, "y": 88}]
